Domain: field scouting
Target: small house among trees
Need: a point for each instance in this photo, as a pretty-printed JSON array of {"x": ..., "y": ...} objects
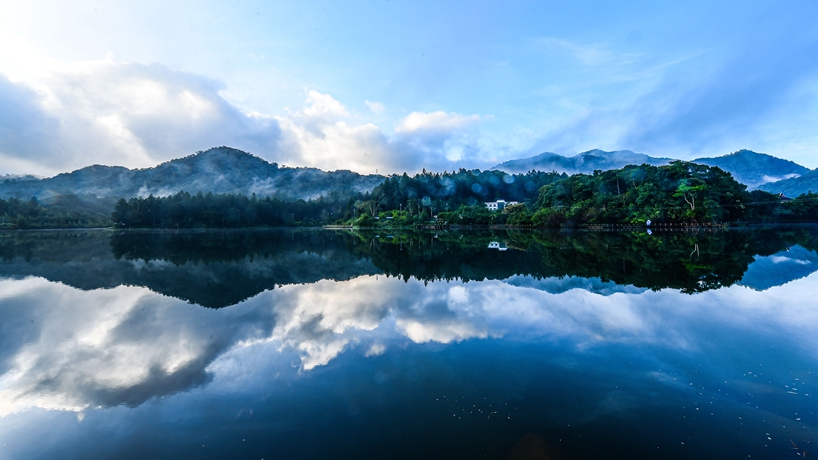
[{"x": 499, "y": 205}]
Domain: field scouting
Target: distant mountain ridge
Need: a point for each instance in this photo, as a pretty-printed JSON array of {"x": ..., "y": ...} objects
[
  {"x": 795, "y": 186},
  {"x": 15, "y": 177},
  {"x": 582, "y": 163},
  {"x": 228, "y": 170},
  {"x": 756, "y": 170},
  {"x": 217, "y": 170}
]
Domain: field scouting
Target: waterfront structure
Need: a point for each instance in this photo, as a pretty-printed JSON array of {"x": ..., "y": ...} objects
[{"x": 499, "y": 205}]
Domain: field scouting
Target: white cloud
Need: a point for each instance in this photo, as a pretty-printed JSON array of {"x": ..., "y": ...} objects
[
  {"x": 375, "y": 107},
  {"x": 318, "y": 136},
  {"x": 125, "y": 114},
  {"x": 324, "y": 135},
  {"x": 137, "y": 116},
  {"x": 438, "y": 122},
  {"x": 376, "y": 349},
  {"x": 323, "y": 106},
  {"x": 60, "y": 116}
]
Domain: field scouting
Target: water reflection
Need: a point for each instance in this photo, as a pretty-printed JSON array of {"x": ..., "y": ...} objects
[
  {"x": 69, "y": 349},
  {"x": 371, "y": 364},
  {"x": 222, "y": 268}
]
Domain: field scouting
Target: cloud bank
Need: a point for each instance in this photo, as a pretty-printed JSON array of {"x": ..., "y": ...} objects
[
  {"x": 106, "y": 112},
  {"x": 756, "y": 90},
  {"x": 120, "y": 113}
]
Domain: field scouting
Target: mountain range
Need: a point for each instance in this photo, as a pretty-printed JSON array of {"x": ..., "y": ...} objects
[
  {"x": 217, "y": 170},
  {"x": 795, "y": 186},
  {"x": 228, "y": 170},
  {"x": 750, "y": 168},
  {"x": 755, "y": 169},
  {"x": 583, "y": 163}
]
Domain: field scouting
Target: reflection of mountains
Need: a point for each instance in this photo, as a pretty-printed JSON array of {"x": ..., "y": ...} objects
[
  {"x": 779, "y": 268},
  {"x": 213, "y": 269},
  {"x": 221, "y": 268}
]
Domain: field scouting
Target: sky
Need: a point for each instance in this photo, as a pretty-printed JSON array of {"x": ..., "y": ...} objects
[{"x": 391, "y": 86}]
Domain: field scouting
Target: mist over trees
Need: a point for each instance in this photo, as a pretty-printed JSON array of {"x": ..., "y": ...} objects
[
  {"x": 678, "y": 193},
  {"x": 415, "y": 199}
]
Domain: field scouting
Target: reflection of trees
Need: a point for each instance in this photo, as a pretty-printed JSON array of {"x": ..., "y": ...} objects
[
  {"x": 220, "y": 245},
  {"x": 223, "y": 267},
  {"x": 691, "y": 262},
  {"x": 210, "y": 268},
  {"x": 655, "y": 261},
  {"x": 220, "y": 268}
]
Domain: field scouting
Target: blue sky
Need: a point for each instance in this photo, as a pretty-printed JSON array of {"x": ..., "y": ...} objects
[{"x": 397, "y": 85}]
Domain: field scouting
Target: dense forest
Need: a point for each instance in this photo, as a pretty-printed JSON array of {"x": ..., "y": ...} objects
[
  {"x": 401, "y": 200},
  {"x": 184, "y": 210},
  {"x": 65, "y": 211},
  {"x": 678, "y": 193}
]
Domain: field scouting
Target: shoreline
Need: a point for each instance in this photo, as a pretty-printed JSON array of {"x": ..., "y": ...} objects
[{"x": 591, "y": 228}]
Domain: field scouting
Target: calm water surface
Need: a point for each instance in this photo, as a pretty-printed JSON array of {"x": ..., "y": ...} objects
[{"x": 320, "y": 344}]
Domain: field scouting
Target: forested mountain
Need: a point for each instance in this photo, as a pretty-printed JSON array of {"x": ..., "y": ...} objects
[
  {"x": 750, "y": 168},
  {"x": 680, "y": 192},
  {"x": 807, "y": 182},
  {"x": 754, "y": 169},
  {"x": 225, "y": 170},
  {"x": 585, "y": 162},
  {"x": 225, "y": 187},
  {"x": 218, "y": 170}
]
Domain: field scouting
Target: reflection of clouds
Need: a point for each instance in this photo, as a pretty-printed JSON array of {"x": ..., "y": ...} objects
[
  {"x": 67, "y": 349},
  {"x": 376, "y": 349},
  {"x": 101, "y": 348},
  {"x": 441, "y": 331},
  {"x": 781, "y": 259},
  {"x": 319, "y": 319}
]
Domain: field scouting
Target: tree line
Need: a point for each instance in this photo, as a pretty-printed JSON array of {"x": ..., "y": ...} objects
[
  {"x": 65, "y": 211},
  {"x": 407, "y": 200},
  {"x": 184, "y": 210},
  {"x": 677, "y": 193}
]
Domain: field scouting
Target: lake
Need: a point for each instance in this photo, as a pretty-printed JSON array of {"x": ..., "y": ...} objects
[{"x": 303, "y": 344}]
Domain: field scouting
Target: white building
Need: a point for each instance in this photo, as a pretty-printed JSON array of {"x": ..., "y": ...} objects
[
  {"x": 499, "y": 204},
  {"x": 498, "y": 245}
]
